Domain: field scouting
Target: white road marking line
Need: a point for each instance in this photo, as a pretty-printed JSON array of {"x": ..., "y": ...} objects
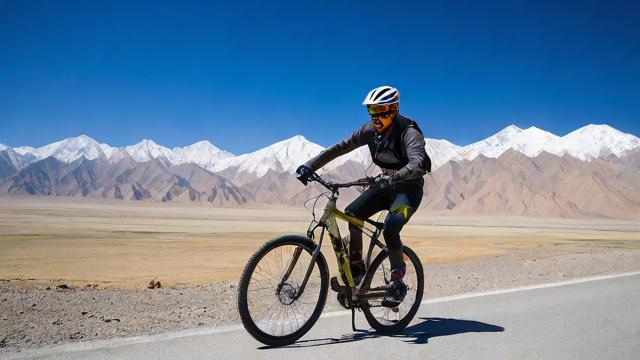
[
  {"x": 526, "y": 288},
  {"x": 90, "y": 345},
  {"x": 502, "y": 291}
]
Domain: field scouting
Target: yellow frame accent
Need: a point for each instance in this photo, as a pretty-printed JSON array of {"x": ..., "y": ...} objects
[
  {"x": 331, "y": 213},
  {"x": 340, "y": 215}
]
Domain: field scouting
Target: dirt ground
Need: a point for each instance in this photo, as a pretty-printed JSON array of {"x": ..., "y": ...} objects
[
  {"x": 106, "y": 252},
  {"x": 127, "y": 244}
]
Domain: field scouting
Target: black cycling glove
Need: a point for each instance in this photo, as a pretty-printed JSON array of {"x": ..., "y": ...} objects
[
  {"x": 383, "y": 183},
  {"x": 303, "y": 173}
]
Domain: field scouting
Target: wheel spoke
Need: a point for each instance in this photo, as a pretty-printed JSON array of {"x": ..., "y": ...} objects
[
  {"x": 383, "y": 318},
  {"x": 283, "y": 316}
]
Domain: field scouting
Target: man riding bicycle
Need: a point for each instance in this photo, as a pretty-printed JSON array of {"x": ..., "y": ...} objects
[{"x": 397, "y": 146}]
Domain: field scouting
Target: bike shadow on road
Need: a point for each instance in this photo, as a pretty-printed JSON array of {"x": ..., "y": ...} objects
[{"x": 419, "y": 333}]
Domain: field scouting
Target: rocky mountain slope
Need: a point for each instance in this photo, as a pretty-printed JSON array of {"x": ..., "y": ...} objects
[
  {"x": 590, "y": 172},
  {"x": 544, "y": 185},
  {"x": 153, "y": 180}
]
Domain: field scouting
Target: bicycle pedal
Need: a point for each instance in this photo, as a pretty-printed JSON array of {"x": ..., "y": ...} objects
[
  {"x": 335, "y": 286},
  {"x": 392, "y": 304}
]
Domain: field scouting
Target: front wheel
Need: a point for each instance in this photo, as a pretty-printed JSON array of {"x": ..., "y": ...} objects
[
  {"x": 271, "y": 308},
  {"x": 392, "y": 320}
]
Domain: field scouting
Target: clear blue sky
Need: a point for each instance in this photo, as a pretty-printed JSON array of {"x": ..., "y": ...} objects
[{"x": 245, "y": 74}]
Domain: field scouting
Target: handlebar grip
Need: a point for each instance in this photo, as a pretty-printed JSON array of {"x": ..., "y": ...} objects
[{"x": 303, "y": 181}]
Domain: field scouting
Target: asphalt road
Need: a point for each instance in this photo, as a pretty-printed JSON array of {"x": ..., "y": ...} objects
[{"x": 595, "y": 319}]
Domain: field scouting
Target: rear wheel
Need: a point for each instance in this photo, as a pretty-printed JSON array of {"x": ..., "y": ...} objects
[
  {"x": 271, "y": 310},
  {"x": 393, "y": 320}
]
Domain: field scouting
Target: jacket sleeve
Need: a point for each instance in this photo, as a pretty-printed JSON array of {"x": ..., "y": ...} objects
[
  {"x": 415, "y": 148},
  {"x": 360, "y": 137}
]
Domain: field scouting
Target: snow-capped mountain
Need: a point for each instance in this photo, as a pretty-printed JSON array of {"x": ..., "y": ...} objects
[
  {"x": 569, "y": 186},
  {"x": 202, "y": 153},
  {"x": 147, "y": 150},
  {"x": 588, "y": 142},
  {"x": 68, "y": 150},
  {"x": 440, "y": 151},
  {"x": 283, "y": 156},
  {"x": 24, "y": 150},
  {"x": 529, "y": 142},
  {"x": 597, "y": 141}
]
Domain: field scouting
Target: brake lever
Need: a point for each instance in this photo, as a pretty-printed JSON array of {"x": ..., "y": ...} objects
[{"x": 317, "y": 178}]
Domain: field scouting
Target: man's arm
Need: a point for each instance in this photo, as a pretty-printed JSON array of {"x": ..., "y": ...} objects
[
  {"x": 358, "y": 138},
  {"x": 414, "y": 145}
]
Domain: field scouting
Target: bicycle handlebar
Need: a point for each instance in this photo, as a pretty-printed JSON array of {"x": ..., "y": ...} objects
[{"x": 366, "y": 181}]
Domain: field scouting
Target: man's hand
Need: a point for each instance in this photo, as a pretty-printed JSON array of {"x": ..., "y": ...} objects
[
  {"x": 383, "y": 182},
  {"x": 303, "y": 173}
]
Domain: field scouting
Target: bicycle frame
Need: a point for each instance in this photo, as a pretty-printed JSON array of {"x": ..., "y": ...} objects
[
  {"x": 375, "y": 284},
  {"x": 328, "y": 222}
]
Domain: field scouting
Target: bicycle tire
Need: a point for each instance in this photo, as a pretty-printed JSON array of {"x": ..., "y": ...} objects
[
  {"x": 243, "y": 288},
  {"x": 413, "y": 265}
]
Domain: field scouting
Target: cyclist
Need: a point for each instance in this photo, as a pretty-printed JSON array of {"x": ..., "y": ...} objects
[{"x": 397, "y": 146}]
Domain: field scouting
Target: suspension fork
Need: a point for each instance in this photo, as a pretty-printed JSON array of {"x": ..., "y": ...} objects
[
  {"x": 294, "y": 260},
  {"x": 292, "y": 264},
  {"x": 296, "y": 255}
]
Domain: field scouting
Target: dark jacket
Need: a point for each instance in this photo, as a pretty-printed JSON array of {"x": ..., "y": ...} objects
[{"x": 399, "y": 151}]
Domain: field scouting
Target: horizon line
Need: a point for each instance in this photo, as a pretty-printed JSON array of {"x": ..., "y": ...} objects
[{"x": 512, "y": 125}]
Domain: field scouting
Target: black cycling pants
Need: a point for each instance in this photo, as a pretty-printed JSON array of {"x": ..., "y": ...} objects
[{"x": 401, "y": 206}]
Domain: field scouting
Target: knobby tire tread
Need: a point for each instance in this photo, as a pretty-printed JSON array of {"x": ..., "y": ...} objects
[
  {"x": 245, "y": 278},
  {"x": 399, "y": 326}
]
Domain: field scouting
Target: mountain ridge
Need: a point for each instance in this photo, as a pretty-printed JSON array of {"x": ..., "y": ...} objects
[
  {"x": 524, "y": 172},
  {"x": 586, "y": 143},
  {"x": 512, "y": 184}
]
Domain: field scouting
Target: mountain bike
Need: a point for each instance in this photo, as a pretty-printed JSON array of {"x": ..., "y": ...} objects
[{"x": 284, "y": 286}]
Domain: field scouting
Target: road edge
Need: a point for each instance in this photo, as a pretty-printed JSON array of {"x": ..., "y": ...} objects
[{"x": 107, "y": 343}]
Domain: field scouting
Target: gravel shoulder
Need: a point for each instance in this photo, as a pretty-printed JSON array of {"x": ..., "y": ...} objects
[{"x": 36, "y": 314}]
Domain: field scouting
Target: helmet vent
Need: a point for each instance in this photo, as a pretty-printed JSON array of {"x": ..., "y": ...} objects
[
  {"x": 388, "y": 97},
  {"x": 380, "y": 93}
]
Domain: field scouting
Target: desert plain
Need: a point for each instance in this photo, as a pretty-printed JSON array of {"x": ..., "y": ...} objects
[{"x": 107, "y": 251}]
